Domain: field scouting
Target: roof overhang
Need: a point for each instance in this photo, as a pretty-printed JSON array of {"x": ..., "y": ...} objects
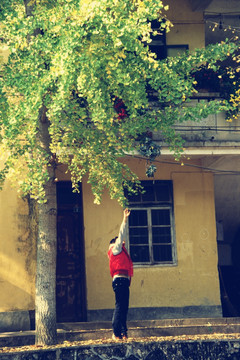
[{"x": 199, "y": 5}]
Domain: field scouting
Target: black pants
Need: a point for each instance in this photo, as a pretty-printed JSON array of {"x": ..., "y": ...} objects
[{"x": 119, "y": 322}]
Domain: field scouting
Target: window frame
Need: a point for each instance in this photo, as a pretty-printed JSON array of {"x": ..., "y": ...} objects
[
  {"x": 159, "y": 42},
  {"x": 149, "y": 206}
]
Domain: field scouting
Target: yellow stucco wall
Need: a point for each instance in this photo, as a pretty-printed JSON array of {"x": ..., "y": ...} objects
[
  {"x": 17, "y": 247},
  {"x": 188, "y": 27},
  {"x": 194, "y": 281},
  {"x": 17, "y": 255}
]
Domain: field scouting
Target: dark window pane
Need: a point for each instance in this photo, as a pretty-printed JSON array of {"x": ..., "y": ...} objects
[
  {"x": 158, "y": 40},
  {"x": 162, "y": 192},
  {"x": 148, "y": 192},
  {"x": 155, "y": 25},
  {"x": 139, "y": 253},
  {"x": 154, "y": 191},
  {"x": 138, "y": 236},
  {"x": 138, "y": 218},
  {"x": 134, "y": 198},
  {"x": 151, "y": 217},
  {"x": 161, "y": 235},
  {"x": 161, "y": 217},
  {"x": 158, "y": 44},
  {"x": 162, "y": 253},
  {"x": 160, "y": 51}
]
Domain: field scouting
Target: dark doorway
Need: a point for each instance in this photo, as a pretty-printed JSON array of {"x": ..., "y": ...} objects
[
  {"x": 230, "y": 281},
  {"x": 71, "y": 286}
]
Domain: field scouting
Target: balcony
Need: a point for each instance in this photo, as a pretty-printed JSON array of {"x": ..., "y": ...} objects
[
  {"x": 211, "y": 131},
  {"x": 215, "y": 130}
]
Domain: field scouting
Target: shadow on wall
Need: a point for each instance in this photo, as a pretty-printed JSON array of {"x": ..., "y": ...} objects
[
  {"x": 16, "y": 319},
  {"x": 16, "y": 297}
]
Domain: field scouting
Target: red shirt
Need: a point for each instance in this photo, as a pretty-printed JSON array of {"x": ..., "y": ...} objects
[{"x": 120, "y": 264}]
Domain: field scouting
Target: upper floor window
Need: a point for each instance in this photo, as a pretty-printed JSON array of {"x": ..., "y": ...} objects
[
  {"x": 159, "y": 45},
  {"x": 151, "y": 224}
]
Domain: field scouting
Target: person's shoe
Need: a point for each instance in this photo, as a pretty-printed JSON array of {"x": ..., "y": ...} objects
[{"x": 116, "y": 338}]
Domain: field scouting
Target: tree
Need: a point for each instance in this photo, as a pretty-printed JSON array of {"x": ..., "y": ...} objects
[{"x": 74, "y": 90}]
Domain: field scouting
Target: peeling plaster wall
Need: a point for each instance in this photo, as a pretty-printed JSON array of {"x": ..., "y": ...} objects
[{"x": 194, "y": 281}]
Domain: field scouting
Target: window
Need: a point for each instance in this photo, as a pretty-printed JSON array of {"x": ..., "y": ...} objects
[
  {"x": 162, "y": 51},
  {"x": 159, "y": 45},
  {"x": 151, "y": 225}
]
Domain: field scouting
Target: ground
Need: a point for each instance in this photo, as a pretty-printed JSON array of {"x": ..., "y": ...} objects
[{"x": 235, "y": 336}]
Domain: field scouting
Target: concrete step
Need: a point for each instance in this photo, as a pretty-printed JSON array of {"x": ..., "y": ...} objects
[{"x": 136, "y": 329}]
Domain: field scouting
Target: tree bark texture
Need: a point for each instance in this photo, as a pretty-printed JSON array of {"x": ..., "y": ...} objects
[
  {"x": 45, "y": 299},
  {"x": 45, "y": 303}
]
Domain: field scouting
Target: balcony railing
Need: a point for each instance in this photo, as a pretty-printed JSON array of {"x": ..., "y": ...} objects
[{"x": 211, "y": 131}]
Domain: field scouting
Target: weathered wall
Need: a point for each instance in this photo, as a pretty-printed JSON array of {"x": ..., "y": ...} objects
[
  {"x": 157, "y": 287},
  {"x": 194, "y": 281},
  {"x": 17, "y": 255},
  {"x": 188, "y": 26},
  {"x": 161, "y": 288}
]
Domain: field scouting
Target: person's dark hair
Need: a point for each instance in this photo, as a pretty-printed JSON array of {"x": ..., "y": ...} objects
[{"x": 113, "y": 240}]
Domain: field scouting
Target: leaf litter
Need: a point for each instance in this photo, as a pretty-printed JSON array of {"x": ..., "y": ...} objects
[{"x": 105, "y": 341}]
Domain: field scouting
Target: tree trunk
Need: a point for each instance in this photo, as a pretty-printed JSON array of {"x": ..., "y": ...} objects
[
  {"x": 45, "y": 303},
  {"x": 45, "y": 299}
]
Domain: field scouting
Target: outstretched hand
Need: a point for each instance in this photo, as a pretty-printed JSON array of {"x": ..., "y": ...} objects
[{"x": 126, "y": 214}]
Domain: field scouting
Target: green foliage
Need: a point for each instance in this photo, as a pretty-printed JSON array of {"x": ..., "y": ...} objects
[
  {"x": 77, "y": 59},
  {"x": 223, "y": 80}
]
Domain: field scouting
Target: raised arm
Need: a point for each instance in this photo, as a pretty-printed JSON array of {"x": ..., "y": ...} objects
[{"x": 117, "y": 248}]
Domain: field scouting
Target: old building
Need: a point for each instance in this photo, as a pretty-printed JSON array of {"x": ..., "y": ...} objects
[{"x": 182, "y": 208}]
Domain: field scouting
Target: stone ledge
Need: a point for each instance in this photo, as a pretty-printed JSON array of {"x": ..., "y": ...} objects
[
  {"x": 159, "y": 313},
  {"x": 15, "y": 320},
  {"x": 147, "y": 350},
  {"x": 102, "y": 331}
]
